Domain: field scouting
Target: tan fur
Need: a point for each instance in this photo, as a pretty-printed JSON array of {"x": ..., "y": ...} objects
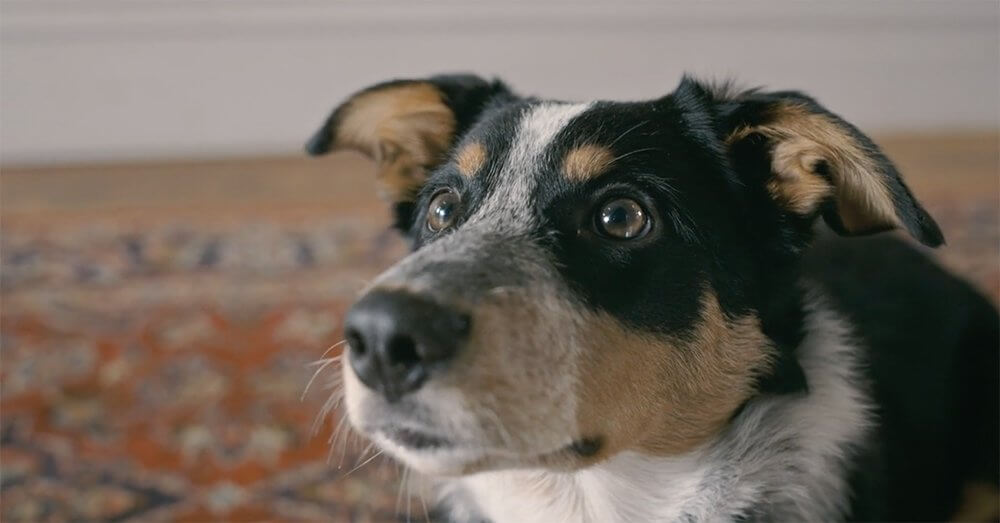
[
  {"x": 523, "y": 375},
  {"x": 802, "y": 138},
  {"x": 795, "y": 181},
  {"x": 405, "y": 129},
  {"x": 664, "y": 396},
  {"x": 470, "y": 159},
  {"x": 515, "y": 374},
  {"x": 580, "y": 374},
  {"x": 587, "y": 162},
  {"x": 980, "y": 502}
]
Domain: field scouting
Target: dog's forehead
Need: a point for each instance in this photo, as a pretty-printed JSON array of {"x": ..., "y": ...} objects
[
  {"x": 536, "y": 135},
  {"x": 509, "y": 153},
  {"x": 576, "y": 141},
  {"x": 523, "y": 134}
]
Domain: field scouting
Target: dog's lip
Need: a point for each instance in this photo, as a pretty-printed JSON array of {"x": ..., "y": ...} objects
[
  {"x": 421, "y": 440},
  {"x": 413, "y": 438}
]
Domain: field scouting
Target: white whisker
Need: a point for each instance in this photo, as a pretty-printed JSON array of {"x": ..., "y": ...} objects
[
  {"x": 336, "y": 432},
  {"x": 637, "y": 151},
  {"x": 313, "y": 378},
  {"x": 367, "y": 461},
  {"x": 328, "y": 407},
  {"x": 348, "y": 434},
  {"x": 423, "y": 503},
  {"x": 630, "y": 129},
  {"x": 334, "y": 346},
  {"x": 399, "y": 491},
  {"x": 409, "y": 494},
  {"x": 323, "y": 363}
]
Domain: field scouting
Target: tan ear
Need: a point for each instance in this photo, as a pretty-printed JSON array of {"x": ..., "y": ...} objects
[
  {"x": 406, "y": 126},
  {"x": 820, "y": 163}
]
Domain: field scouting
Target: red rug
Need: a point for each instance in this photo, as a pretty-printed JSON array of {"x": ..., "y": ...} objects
[{"x": 152, "y": 366}]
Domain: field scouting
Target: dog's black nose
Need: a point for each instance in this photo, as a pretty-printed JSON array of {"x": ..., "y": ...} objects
[{"x": 398, "y": 338}]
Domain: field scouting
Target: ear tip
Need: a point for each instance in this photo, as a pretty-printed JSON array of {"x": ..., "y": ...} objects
[
  {"x": 319, "y": 143},
  {"x": 932, "y": 239},
  {"x": 930, "y": 234}
]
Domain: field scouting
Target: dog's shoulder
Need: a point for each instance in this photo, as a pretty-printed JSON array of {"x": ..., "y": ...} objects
[{"x": 929, "y": 351}]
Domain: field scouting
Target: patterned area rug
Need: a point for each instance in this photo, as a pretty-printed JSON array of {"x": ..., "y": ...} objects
[
  {"x": 156, "y": 370},
  {"x": 153, "y": 366}
]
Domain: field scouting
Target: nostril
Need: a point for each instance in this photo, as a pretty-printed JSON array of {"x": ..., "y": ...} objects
[
  {"x": 355, "y": 342},
  {"x": 402, "y": 351},
  {"x": 397, "y": 340}
]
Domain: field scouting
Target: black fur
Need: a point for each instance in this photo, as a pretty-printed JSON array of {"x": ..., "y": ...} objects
[{"x": 932, "y": 369}]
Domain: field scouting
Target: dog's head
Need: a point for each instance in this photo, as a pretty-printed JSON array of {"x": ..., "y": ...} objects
[{"x": 589, "y": 278}]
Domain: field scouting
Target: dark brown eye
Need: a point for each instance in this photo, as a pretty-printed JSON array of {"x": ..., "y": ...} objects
[
  {"x": 443, "y": 210},
  {"x": 622, "y": 219}
]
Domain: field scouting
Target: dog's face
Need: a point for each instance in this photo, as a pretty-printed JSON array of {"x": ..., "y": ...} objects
[{"x": 590, "y": 278}]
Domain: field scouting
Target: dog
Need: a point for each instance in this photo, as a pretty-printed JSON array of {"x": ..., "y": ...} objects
[{"x": 667, "y": 310}]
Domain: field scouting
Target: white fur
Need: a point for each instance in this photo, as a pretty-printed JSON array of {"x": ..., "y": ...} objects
[
  {"x": 509, "y": 207},
  {"x": 783, "y": 459}
]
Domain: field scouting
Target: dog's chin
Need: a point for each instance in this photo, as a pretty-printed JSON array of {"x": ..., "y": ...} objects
[
  {"x": 412, "y": 432},
  {"x": 434, "y": 461},
  {"x": 438, "y": 456}
]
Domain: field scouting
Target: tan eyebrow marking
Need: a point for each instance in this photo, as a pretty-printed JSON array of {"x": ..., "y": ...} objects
[
  {"x": 471, "y": 158},
  {"x": 587, "y": 162}
]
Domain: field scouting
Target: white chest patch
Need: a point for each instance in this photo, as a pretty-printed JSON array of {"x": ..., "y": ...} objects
[
  {"x": 783, "y": 458},
  {"x": 619, "y": 489}
]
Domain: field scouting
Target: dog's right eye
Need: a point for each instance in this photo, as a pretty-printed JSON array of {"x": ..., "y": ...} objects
[
  {"x": 443, "y": 210},
  {"x": 622, "y": 219}
]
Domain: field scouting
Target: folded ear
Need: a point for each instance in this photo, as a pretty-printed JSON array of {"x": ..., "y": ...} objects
[
  {"x": 407, "y": 127},
  {"x": 822, "y": 165}
]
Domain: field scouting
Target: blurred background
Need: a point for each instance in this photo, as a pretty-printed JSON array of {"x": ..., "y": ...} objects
[{"x": 171, "y": 263}]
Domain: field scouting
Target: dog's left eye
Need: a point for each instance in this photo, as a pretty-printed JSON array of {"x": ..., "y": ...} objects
[
  {"x": 622, "y": 219},
  {"x": 443, "y": 210}
]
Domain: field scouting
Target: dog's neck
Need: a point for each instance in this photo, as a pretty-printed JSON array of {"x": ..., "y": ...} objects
[{"x": 781, "y": 458}]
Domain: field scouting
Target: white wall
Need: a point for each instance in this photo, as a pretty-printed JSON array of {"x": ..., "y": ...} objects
[{"x": 95, "y": 80}]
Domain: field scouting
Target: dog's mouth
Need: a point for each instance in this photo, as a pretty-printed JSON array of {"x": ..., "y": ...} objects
[
  {"x": 414, "y": 439},
  {"x": 419, "y": 440},
  {"x": 469, "y": 455},
  {"x": 447, "y": 427}
]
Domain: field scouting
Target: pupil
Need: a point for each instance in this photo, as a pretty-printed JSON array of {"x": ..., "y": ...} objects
[
  {"x": 617, "y": 216},
  {"x": 443, "y": 211},
  {"x": 622, "y": 218}
]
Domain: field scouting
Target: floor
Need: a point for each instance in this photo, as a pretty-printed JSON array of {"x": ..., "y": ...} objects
[{"x": 158, "y": 322}]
